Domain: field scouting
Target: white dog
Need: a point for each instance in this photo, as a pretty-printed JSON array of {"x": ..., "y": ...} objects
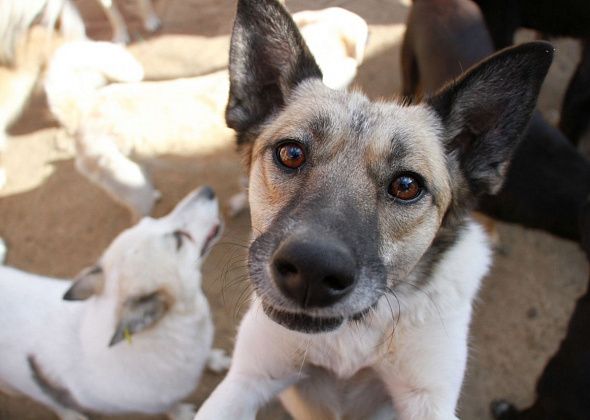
[
  {"x": 115, "y": 124},
  {"x": 138, "y": 341},
  {"x": 25, "y": 48}
]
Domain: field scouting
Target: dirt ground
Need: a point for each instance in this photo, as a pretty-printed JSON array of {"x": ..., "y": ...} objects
[{"x": 55, "y": 222}]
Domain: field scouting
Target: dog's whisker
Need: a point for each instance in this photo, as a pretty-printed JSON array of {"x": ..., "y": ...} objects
[{"x": 242, "y": 299}]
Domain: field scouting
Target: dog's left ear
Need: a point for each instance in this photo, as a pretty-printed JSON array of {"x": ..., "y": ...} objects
[
  {"x": 268, "y": 59},
  {"x": 486, "y": 111},
  {"x": 140, "y": 313}
]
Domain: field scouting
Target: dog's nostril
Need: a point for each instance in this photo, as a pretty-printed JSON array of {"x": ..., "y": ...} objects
[
  {"x": 336, "y": 283},
  {"x": 285, "y": 268}
]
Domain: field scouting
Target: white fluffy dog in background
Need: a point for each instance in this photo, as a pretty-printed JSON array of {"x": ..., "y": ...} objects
[
  {"x": 25, "y": 48},
  {"x": 117, "y": 124},
  {"x": 140, "y": 336}
]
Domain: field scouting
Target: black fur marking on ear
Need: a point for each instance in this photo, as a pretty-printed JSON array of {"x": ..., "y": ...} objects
[
  {"x": 486, "y": 112},
  {"x": 139, "y": 313},
  {"x": 268, "y": 58}
]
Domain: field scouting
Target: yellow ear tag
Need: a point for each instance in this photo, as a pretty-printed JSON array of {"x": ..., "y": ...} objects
[{"x": 127, "y": 335}]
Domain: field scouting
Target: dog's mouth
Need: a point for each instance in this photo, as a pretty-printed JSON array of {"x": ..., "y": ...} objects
[
  {"x": 309, "y": 324},
  {"x": 211, "y": 238}
]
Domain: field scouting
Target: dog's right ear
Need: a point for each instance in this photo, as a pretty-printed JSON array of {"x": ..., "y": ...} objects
[
  {"x": 88, "y": 283},
  {"x": 486, "y": 111},
  {"x": 268, "y": 59}
]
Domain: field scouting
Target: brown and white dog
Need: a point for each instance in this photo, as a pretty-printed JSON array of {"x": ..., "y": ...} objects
[{"x": 364, "y": 258}]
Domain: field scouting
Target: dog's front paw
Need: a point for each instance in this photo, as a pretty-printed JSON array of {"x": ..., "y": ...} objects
[
  {"x": 3, "y": 251},
  {"x": 142, "y": 202},
  {"x": 152, "y": 23},
  {"x": 182, "y": 411},
  {"x": 218, "y": 361},
  {"x": 502, "y": 409},
  {"x": 121, "y": 37},
  {"x": 237, "y": 203},
  {"x": 3, "y": 177}
]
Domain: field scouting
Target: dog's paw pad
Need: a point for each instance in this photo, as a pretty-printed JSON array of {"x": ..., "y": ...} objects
[
  {"x": 182, "y": 411},
  {"x": 500, "y": 408},
  {"x": 218, "y": 361}
]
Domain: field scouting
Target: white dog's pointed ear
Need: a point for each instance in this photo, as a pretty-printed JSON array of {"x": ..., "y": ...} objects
[
  {"x": 139, "y": 313},
  {"x": 89, "y": 282},
  {"x": 486, "y": 111},
  {"x": 268, "y": 58}
]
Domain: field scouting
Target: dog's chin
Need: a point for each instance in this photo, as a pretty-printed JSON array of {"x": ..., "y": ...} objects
[{"x": 306, "y": 323}]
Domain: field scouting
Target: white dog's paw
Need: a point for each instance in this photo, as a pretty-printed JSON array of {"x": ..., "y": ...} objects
[
  {"x": 237, "y": 203},
  {"x": 218, "y": 360},
  {"x": 71, "y": 415},
  {"x": 3, "y": 251},
  {"x": 142, "y": 202},
  {"x": 152, "y": 23},
  {"x": 121, "y": 37},
  {"x": 2, "y": 178},
  {"x": 182, "y": 411}
]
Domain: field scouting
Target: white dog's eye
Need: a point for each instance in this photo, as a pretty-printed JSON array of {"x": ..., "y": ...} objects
[{"x": 180, "y": 235}]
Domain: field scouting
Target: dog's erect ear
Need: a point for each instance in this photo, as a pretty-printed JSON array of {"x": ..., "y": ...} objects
[
  {"x": 89, "y": 282},
  {"x": 139, "y": 313},
  {"x": 268, "y": 58},
  {"x": 486, "y": 111}
]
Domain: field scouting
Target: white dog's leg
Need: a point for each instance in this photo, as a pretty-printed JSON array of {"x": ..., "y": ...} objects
[
  {"x": 3, "y": 251},
  {"x": 120, "y": 34},
  {"x": 104, "y": 164},
  {"x": 2, "y": 151},
  {"x": 151, "y": 21},
  {"x": 67, "y": 414},
  {"x": 264, "y": 364},
  {"x": 218, "y": 361},
  {"x": 237, "y": 203},
  {"x": 16, "y": 87},
  {"x": 425, "y": 378},
  {"x": 182, "y": 411}
]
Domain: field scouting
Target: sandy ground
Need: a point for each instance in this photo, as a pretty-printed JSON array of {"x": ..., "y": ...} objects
[{"x": 55, "y": 222}]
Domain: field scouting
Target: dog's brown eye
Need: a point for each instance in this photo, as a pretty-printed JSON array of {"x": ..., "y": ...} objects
[
  {"x": 291, "y": 155},
  {"x": 405, "y": 188}
]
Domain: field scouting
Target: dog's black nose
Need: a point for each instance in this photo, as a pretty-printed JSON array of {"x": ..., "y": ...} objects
[
  {"x": 206, "y": 193},
  {"x": 313, "y": 273}
]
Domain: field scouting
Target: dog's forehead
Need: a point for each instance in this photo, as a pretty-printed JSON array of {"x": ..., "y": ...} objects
[
  {"x": 148, "y": 237},
  {"x": 379, "y": 133},
  {"x": 350, "y": 117}
]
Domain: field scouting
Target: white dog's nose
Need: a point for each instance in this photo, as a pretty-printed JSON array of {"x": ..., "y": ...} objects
[{"x": 206, "y": 192}]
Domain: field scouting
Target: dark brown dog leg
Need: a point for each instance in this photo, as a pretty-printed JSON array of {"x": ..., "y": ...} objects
[{"x": 575, "y": 111}]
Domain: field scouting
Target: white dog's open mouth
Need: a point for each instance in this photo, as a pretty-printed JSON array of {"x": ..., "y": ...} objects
[{"x": 212, "y": 236}]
